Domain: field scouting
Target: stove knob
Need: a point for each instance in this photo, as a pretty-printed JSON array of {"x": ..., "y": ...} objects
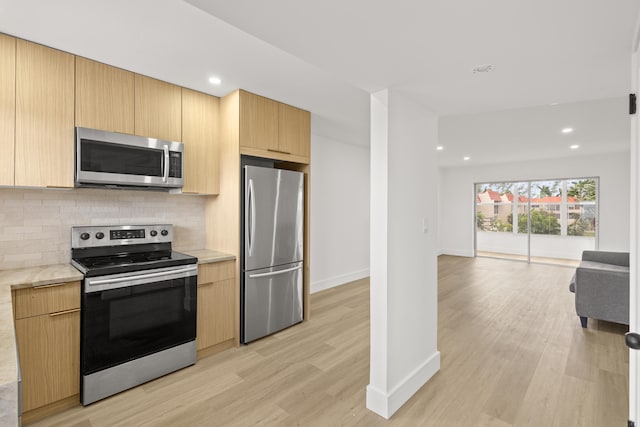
[
  {"x": 164, "y": 232},
  {"x": 85, "y": 236},
  {"x": 153, "y": 233},
  {"x": 99, "y": 235}
]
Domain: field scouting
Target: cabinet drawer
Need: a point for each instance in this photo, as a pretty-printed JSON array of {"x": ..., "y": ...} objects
[
  {"x": 46, "y": 299},
  {"x": 216, "y": 271}
]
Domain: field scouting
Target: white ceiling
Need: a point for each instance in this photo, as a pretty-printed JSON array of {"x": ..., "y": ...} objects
[
  {"x": 543, "y": 51},
  {"x": 534, "y": 133},
  {"x": 326, "y": 56}
]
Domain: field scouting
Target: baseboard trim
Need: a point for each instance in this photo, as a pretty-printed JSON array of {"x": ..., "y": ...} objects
[
  {"x": 457, "y": 252},
  {"x": 387, "y": 404},
  {"x": 332, "y": 282}
]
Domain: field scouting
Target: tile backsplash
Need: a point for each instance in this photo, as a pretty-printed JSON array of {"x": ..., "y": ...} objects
[{"x": 35, "y": 225}]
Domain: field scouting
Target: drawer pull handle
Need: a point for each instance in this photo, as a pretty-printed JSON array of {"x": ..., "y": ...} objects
[
  {"x": 60, "y": 313},
  {"x": 279, "y": 151}
]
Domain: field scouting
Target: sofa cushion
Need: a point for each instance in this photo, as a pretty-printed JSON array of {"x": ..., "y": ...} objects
[
  {"x": 591, "y": 265},
  {"x": 615, "y": 258}
]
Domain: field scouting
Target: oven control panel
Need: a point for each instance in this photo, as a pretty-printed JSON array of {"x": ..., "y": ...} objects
[
  {"x": 116, "y": 235},
  {"x": 127, "y": 234}
]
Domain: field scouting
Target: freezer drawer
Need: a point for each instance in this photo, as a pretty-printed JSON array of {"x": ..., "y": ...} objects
[{"x": 272, "y": 300}]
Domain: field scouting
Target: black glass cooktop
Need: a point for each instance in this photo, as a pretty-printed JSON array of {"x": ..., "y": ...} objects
[{"x": 128, "y": 262}]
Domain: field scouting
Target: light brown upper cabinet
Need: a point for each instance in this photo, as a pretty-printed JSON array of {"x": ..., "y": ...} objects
[
  {"x": 104, "y": 97},
  {"x": 7, "y": 108},
  {"x": 200, "y": 138},
  {"x": 258, "y": 122},
  {"x": 158, "y": 109},
  {"x": 44, "y": 134},
  {"x": 294, "y": 130},
  {"x": 272, "y": 129}
]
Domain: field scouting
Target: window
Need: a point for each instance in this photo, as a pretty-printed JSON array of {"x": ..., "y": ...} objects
[{"x": 554, "y": 218}]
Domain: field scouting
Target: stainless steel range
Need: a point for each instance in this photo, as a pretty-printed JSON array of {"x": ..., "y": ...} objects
[{"x": 138, "y": 318}]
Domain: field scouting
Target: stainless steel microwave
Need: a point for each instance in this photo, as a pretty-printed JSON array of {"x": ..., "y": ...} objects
[{"x": 121, "y": 160}]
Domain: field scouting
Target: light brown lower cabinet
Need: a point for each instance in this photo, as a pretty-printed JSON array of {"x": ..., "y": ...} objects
[
  {"x": 48, "y": 337},
  {"x": 49, "y": 347},
  {"x": 216, "y": 304}
]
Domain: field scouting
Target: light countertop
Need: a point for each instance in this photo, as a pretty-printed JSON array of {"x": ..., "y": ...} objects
[{"x": 206, "y": 256}]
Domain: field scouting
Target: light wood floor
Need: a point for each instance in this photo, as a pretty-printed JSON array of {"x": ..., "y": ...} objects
[{"x": 512, "y": 351}]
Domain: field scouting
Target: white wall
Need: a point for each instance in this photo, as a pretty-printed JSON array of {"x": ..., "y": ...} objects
[
  {"x": 457, "y": 195},
  {"x": 339, "y": 212},
  {"x": 403, "y": 251},
  {"x": 542, "y": 245}
]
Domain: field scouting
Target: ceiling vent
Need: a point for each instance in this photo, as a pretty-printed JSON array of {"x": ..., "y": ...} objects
[{"x": 483, "y": 68}]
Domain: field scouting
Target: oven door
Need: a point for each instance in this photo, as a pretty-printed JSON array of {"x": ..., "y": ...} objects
[{"x": 131, "y": 315}]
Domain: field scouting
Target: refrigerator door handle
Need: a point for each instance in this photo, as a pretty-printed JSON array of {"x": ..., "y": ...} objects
[
  {"x": 275, "y": 273},
  {"x": 252, "y": 215}
]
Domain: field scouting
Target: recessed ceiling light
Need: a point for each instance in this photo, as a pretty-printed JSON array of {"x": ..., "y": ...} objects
[
  {"x": 574, "y": 146},
  {"x": 215, "y": 80},
  {"x": 553, "y": 104},
  {"x": 439, "y": 148},
  {"x": 466, "y": 158},
  {"x": 567, "y": 130}
]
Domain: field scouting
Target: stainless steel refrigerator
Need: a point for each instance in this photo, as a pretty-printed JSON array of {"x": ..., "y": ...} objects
[{"x": 272, "y": 258}]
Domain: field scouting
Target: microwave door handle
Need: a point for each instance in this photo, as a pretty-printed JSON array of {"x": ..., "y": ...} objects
[{"x": 165, "y": 174}]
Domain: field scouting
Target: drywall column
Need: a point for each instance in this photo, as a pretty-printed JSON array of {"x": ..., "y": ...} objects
[{"x": 403, "y": 263}]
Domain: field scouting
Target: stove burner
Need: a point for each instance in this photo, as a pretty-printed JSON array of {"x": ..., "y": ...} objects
[
  {"x": 140, "y": 250},
  {"x": 125, "y": 259}
]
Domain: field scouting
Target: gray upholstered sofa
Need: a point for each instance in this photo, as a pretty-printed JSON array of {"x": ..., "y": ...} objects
[{"x": 601, "y": 285}]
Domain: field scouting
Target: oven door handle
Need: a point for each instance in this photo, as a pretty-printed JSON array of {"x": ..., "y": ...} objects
[{"x": 122, "y": 281}]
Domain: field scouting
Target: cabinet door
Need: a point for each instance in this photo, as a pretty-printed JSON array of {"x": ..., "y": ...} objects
[
  {"x": 200, "y": 138},
  {"x": 104, "y": 97},
  {"x": 258, "y": 122},
  {"x": 294, "y": 130},
  {"x": 44, "y": 150},
  {"x": 7, "y": 108},
  {"x": 215, "y": 313},
  {"x": 49, "y": 349},
  {"x": 158, "y": 109}
]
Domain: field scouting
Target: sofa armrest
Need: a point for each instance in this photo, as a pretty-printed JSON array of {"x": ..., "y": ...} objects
[
  {"x": 602, "y": 292},
  {"x": 615, "y": 258}
]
